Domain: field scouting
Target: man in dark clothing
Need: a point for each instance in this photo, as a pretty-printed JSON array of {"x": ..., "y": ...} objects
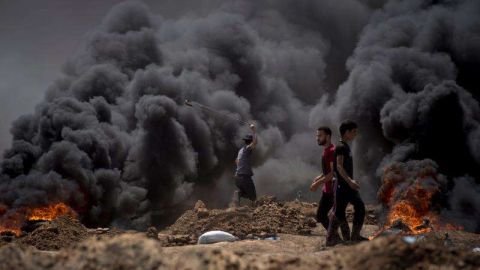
[
  {"x": 324, "y": 138},
  {"x": 346, "y": 189},
  {"x": 243, "y": 173}
]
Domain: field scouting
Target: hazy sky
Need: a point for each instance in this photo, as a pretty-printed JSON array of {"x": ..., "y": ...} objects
[{"x": 36, "y": 37}]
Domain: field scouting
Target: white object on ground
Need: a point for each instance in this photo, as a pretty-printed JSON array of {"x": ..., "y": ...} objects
[
  {"x": 477, "y": 249},
  {"x": 409, "y": 239},
  {"x": 215, "y": 237},
  {"x": 412, "y": 239}
]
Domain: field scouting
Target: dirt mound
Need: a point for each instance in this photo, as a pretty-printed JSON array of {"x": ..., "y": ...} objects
[
  {"x": 396, "y": 253},
  {"x": 16, "y": 256},
  {"x": 310, "y": 210},
  {"x": 268, "y": 217},
  {"x": 56, "y": 234},
  {"x": 457, "y": 239},
  {"x": 127, "y": 251},
  {"x": 119, "y": 252},
  {"x": 136, "y": 251}
]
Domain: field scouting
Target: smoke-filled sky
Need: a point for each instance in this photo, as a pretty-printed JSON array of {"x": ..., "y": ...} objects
[
  {"x": 38, "y": 36},
  {"x": 110, "y": 134}
]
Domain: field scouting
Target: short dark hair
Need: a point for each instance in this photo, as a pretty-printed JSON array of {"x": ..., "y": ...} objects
[
  {"x": 247, "y": 142},
  {"x": 346, "y": 126},
  {"x": 325, "y": 129}
]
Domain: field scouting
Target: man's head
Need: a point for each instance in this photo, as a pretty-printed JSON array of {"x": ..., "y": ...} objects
[
  {"x": 348, "y": 130},
  {"x": 247, "y": 139},
  {"x": 324, "y": 135}
]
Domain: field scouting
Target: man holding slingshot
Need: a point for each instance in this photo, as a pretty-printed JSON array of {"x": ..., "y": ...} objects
[{"x": 243, "y": 172}]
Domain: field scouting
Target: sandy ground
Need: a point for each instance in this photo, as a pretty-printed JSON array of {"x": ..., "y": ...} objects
[
  {"x": 287, "y": 244},
  {"x": 66, "y": 244}
]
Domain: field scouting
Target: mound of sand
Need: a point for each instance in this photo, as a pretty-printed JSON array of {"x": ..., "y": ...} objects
[
  {"x": 266, "y": 218},
  {"x": 394, "y": 253},
  {"x": 56, "y": 234},
  {"x": 136, "y": 251}
]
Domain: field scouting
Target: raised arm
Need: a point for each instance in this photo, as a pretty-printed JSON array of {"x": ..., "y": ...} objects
[{"x": 253, "y": 144}]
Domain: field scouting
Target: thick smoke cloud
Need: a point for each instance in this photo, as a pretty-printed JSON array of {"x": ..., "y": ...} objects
[
  {"x": 114, "y": 140},
  {"x": 412, "y": 90}
]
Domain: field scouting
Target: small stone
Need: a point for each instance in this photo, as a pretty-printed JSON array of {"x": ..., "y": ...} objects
[
  {"x": 202, "y": 213},
  {"x": 199, "y": 205},
  {"x": 152, "y": 232},
  {"x": 311, "y": 222},
  {"x": 163, "y": 238}
]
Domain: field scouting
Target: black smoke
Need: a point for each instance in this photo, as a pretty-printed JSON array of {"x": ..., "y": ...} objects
[
  {"x": 114, "y": 140},
  {"x": 412, "y": 89}
]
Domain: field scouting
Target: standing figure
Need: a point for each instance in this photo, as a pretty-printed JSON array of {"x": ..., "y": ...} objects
[
  {"x": 324, "y": 138},
  {"x": 244, "y": 173},
  {"x": 346, "y": 189}
]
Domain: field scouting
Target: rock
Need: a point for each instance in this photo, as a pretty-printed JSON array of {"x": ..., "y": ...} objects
[
  {"x": 163, "y": 238},
  {"x": 199, "y": 205},
  {"x": 202, "y": 213},
  {"x": 311, "y": 222},
  {"x": 152, "y": 232},
  {"x": 180, "y": 239}
]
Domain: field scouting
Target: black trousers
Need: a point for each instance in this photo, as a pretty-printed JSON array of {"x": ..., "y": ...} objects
[
  {"x": 324, "y": 206},
  {"x": 246, "y": 187},
  {"x": 344, "y": 196}
]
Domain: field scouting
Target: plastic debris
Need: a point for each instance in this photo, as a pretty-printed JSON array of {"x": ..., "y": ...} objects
[
  {"x": 409, "y": 239},
  {"x": 412, "y": 239},
  {"x": 215, "y": 237}
]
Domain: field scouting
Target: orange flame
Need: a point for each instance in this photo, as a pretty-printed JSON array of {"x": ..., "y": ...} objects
[
  {"x": 51, "y": 212},
  {"x": 409, "y": 200},
  {"x": 13, "y": 221}
]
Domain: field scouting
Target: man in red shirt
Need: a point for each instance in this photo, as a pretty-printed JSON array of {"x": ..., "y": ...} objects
[{"x": 324, "y": 138}]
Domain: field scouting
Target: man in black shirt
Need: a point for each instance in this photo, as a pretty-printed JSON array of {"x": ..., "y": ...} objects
[{"x": 346, "y": 189}]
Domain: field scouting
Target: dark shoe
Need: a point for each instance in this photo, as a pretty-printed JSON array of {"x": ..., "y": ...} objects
[
  {"x": 333, "y": 241},
  {"x": 356, "y": 229},
  {"x": 332, "y": 234},
  {"x": 358, "y": 238}
]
